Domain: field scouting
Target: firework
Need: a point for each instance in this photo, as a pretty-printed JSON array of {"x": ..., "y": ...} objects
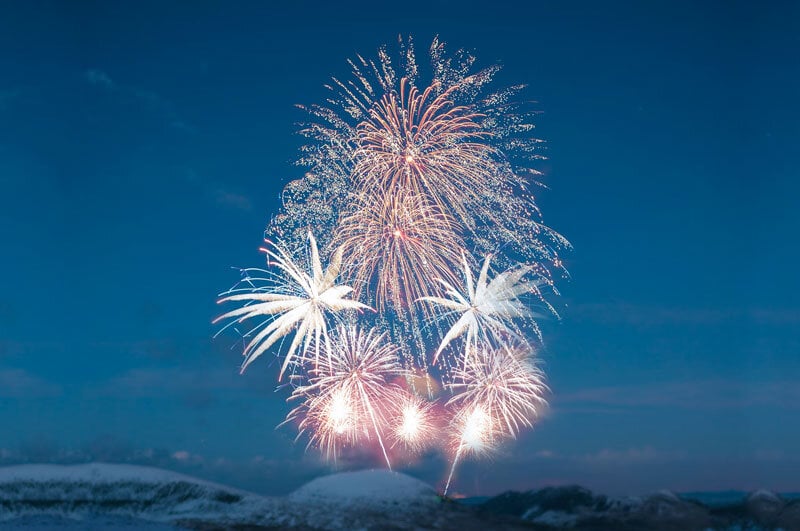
[
  {"x": 494, "y": 396},
  {"x": 421, "y": 142},
  {"x": 407, "y": 180},
  {"x": 505, "y": 382},
  {"x": 294, "y": 300},
  {"x": 487, "y": 308},
  {"x": 349, "y": 397},
  {"x": 398, "y": 242},
  {"x": 475, "y": 433}
]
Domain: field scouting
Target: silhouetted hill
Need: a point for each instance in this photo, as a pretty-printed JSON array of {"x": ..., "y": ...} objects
[{"x": 577, "y": 508}]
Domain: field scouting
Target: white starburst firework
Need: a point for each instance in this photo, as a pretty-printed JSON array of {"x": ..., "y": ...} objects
[
  {"x": 294, "y": 300},
  {"x": 486, "y": 309}
]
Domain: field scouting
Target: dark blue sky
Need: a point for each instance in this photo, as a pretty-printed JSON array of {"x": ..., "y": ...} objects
[{"x": 143, "y": 148}]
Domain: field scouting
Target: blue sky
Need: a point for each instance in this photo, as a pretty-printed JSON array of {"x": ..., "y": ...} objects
[{"x": 143, "y": 148}]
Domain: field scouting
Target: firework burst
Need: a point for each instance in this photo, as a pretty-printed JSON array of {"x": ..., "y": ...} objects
[
  {"x": 398, "y": 243},
  {"x": 488, "y": 309},
  {"x": 293, "y": 300},
  {"x": 466, "y": 148},
  {"x": 414, "y": 423},
  {"x": 421, "y": 142},
  {"x": 494, "y": 395},
  {"x": 505, "y": 383},
  {"x": 349, "y": 398}
]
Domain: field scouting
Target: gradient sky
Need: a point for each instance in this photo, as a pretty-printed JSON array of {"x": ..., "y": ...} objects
[{"x": 143, "y": 148}]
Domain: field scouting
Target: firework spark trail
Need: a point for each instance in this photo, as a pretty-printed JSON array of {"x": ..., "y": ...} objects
[
  {"x": 349, "y": 385},
  {"x": 476, "y": 435}
]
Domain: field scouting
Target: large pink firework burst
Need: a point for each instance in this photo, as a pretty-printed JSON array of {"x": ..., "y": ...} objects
[{"x": 350, "y": 398}]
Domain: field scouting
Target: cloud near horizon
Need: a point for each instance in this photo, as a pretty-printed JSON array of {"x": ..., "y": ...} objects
[
  {"x": 654, "y": 315},
  {"x": 23, "y": 385},
  {"x": 707, "y": 394}
]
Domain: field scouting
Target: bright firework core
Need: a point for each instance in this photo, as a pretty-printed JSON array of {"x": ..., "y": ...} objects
[
  {"x": 412, "y": 418},
  {"x": 338, "y": 413},
  {"x": 391, "y": 344},
  {"x": 476, "y": 429}
]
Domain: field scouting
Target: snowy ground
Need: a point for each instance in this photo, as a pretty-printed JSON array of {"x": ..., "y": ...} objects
[{"x": 105, "y": 497}]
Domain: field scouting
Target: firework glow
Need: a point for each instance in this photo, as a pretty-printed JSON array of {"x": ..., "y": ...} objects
[
  {"x": 414, "y": 424},
  {"x": 411, "y": 186}
]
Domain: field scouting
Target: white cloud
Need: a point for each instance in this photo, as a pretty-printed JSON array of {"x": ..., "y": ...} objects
[
  {"x": 181, "y": 455},
  {"x": 646, "y": 454},
  {"x": 233, "y": 200},
  {"x": 19, "y": 383},
  {"x": 98, "y": 77},
  {"x": 698, "y": 394},
  {"x": 149, "y": 99}
]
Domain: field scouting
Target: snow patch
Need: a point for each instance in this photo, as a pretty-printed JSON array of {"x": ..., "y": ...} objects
[
  {"x": 372, "y": 486},
  {"x": 766, "y": 495},
  {"x": 98, "y": 473}
]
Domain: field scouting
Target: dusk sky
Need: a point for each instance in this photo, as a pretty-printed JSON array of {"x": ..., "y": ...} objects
[{"x": 143, "y": 148}]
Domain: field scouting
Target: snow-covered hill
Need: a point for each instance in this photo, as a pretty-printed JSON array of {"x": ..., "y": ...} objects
[
  {"x": 368, "y": 499},
  {"x": 81, "y": 491},
  {"x": 105, "y": 496},
  {"x": 366, "y": 486}
]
